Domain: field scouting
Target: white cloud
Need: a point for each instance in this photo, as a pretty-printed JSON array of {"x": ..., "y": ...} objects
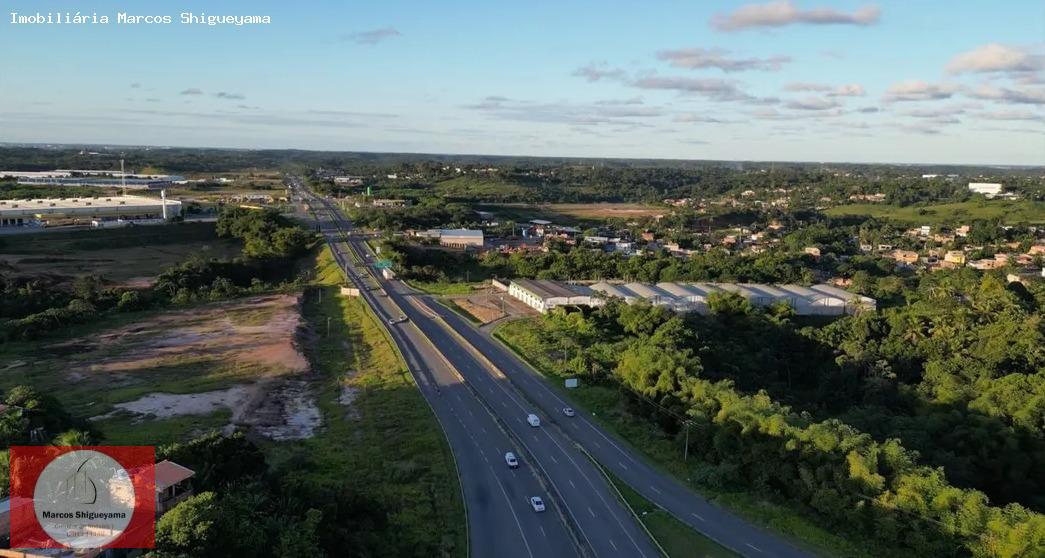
[
  {"x": 812, "y": 103},
  {"x": 919, "y": 91},
  {"x": 191, "y": 91},
  {"x": 996, "y": 58},
  {"x": 596, "y": 71},
  {"x": 846, "y": 90},
  {"x": 1024, "y": 115},
  {"x": 1006, "y": 95},
  {"x": 371, "y": 37},
  {"x": 699, "y": 58},
  {"x": 784, "y": 12}
]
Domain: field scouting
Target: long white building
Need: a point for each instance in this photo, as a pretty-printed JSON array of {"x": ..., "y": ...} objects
[
  {"x": 14, "y": 213},
  {"x": 545, "y": 295},
  {"x": 817, "y": 300}
]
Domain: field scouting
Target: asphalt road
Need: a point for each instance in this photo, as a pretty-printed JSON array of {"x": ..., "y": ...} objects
[
  {"x": 602, "y": 525},
  {"x": 500, "y": 519},
  {"x": 655, "y": 485},
  {"x": 511, "y": 389}
]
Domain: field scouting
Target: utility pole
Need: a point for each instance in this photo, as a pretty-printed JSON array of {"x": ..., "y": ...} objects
[
  {"x": 685, "y": 451},
  {"x": 328, "y": 327}
]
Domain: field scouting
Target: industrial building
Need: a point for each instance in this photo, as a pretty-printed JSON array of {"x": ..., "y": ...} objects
[
  {"x": 461, "y": 238},
  {"x": 989, "y": 189},
  {"x": 16, "y": 213},
  {"x": 98, "y": 179},
  {"x": 817, "y": 300},
  {"x": 545, "y": 295}
]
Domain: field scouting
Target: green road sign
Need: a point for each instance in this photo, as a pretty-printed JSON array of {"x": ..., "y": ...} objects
[{"x": 383, "y": 264}]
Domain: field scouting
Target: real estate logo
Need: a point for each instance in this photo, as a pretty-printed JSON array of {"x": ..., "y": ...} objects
[{"x": 82, "y": 497}]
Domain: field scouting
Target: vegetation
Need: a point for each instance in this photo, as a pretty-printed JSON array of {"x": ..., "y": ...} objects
[
  {"x": 897, "y": 375},
  {"x": 377, "y": 426},
  {"x": 1011, "y": 212},
  {"x": 676, "y": 538},
  {"x": 32, "y": 307}
]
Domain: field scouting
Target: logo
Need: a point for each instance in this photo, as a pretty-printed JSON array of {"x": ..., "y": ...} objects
[{"x": 82, "y": 497}]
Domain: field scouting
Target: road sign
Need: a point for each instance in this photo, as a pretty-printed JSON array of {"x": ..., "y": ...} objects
[{"x": 383, "y": 264}]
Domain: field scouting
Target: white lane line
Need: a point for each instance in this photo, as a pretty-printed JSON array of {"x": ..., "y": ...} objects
[
  {"x": 596, "y": 444},
  {"x": 542, "y": 531},
  {"x": 757, "y": 549},
  {"x": 613, "y": 545},
  {"x": 591, "y": 512},
  {"x": 655, "y": 489},
  {"x": 516, "y": 516},
  {"x": 571, "y": 484},
  {"x": 621, "y": 463},
  {"x": 697, "y": 516}
]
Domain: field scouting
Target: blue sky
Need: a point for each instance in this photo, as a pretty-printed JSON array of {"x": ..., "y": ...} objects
[{"x": 811, "y": 80}]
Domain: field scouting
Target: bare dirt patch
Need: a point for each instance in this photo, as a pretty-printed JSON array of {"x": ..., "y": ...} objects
[
  {"x": 212, "y": 332},
  {"x": 605, "y": 210},
  {"x": 240, "y": 356},
  {"x": 489, "y": 308}
]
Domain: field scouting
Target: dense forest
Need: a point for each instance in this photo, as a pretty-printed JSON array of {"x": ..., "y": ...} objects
[{"x": 872, "y": 421}]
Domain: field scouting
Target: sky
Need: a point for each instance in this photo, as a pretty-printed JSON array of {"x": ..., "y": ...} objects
[{"x": 956, "y": 81}]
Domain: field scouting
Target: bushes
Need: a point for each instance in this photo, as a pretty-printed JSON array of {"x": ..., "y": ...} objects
[
  {"x": 265, "y": 233},
  {"x": 851, "y": 480}
]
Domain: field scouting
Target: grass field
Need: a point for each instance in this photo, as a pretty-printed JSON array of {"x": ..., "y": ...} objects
[
  {"x": 677, "y": 538},
  {"x": 607, "y": 404},
  {"x": 951, "y": 213},
  {"x": 578, "y": 214},
  {"x": 118, "y": 255},
  {"x": 378, "y": 432},
  {"x": 461, "y": 288}
]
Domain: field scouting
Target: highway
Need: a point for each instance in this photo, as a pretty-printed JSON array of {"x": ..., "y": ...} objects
[
  {"x": 500, "y": 519},
  {"x": 623, "y": 461},
  {"x": 561, "y": 447},
  {"x": 601, "y": 524}
]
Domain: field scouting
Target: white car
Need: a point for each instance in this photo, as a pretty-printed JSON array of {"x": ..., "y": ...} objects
[
  {"x": 511, "y": 460},
  {"x": 537, "y": 503},
  {"x": 568, "y": 411},
  {"x": 533, "y": 419}
]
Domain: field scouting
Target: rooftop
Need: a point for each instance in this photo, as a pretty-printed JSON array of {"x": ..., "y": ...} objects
[
  {"x": 113, "y": 201},
  {"x": 551, "y": 289}
]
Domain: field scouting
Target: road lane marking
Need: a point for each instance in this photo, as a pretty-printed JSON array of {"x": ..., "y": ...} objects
[
  {"x": 571, "y": 484},
  {"x": 613, "y": 545},
  {"x": 542, "y": 531},
  {"x": 655, "y": 489},
  {"x": 757, "y": 549},
  {"x": 621, "y": 463},
  {"x": 591, "y": 512},
  {"x": 697, "y": 516}
]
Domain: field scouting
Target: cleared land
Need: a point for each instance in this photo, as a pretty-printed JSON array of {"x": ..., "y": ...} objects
[
  {"x": 130, "y": 256},
  {"x": 949, "y": 213},
  {"x": 574, "y": 213},
  {"x": 160, "y": 377}
]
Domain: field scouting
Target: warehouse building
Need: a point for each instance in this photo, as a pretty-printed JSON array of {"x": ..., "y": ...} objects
[
  {"x": 817, "y": 300},
  {"x": 98, "y": 179},
  {"x": 461, "y": 238},
  {"x": 545, "y": 295},
  {"x": 15, "y": 213}
]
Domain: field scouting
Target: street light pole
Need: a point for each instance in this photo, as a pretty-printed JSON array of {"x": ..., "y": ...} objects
[{"x": 685, "y": 451}]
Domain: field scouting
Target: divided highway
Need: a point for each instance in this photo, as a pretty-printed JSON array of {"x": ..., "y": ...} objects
[
  {"x": 489, "y": 375},
  {"x": 500, "y": 519},
  {"x": 656, "y": 486}
]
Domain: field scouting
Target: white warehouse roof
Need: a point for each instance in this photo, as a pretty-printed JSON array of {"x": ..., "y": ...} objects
[{"x": 819, "y": 299}]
